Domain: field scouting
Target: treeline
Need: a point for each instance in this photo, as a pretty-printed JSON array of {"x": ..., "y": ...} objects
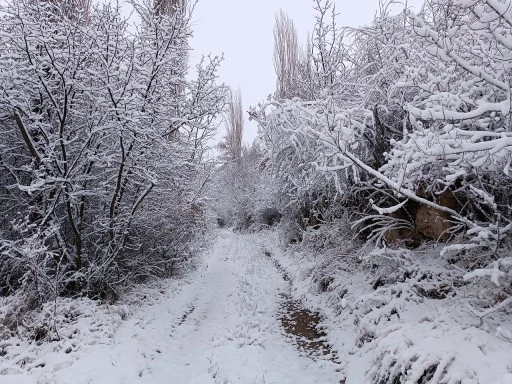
[{"x": 103, "y": 145}]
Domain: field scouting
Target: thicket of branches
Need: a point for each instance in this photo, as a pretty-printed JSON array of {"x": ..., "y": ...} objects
[
  {"x": 242, "y": 195},
  {"x": 102, "y": 157},
  {"x": 404, "y": 126}
]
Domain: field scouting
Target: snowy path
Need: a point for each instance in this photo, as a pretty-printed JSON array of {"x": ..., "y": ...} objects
[{"x": 221, "y": 327}]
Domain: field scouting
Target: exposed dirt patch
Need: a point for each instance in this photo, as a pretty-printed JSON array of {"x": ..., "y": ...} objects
[{"x": 303, "y": 325}]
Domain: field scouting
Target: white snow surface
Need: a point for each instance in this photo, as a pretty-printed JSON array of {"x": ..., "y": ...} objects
[
  {"x": 218, "y": 325},
  {"x": 221, "y": 324},
  {"x": 394, "y": 329}
]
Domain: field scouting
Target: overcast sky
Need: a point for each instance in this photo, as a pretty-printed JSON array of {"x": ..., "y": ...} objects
[{"x": 242, "y": 31}]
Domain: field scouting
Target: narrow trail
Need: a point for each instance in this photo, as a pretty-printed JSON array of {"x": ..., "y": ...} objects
[{"x": 227, "y": 324}]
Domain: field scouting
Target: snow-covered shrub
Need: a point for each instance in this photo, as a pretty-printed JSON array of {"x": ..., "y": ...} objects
[
  {"x": 243, "y": 195},
  {"x": 30, "y": 267},
  {"x": 404, "y": 143},
  {"x": 446, "y": 355},
  {"x": 417, "y": 119},
  {"x": 336, "y": 252}
]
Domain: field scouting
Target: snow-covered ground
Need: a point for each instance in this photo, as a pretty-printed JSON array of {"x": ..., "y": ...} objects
[
  {"x": 415, "y": 326},
  {"x": 219, "y": 325},
  {"x": 223, "y": 323}
]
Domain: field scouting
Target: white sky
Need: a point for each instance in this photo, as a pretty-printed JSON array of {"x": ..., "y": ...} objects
[{"x": 242, "y": 31}]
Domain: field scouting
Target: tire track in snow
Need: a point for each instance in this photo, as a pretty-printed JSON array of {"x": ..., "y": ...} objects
[
  {"x": 302, "y": 325},
  {"x": 219, "y": 326},
  {"x": 258, "y": 328}
]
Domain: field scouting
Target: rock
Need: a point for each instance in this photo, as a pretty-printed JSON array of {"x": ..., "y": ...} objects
[
  {"x": 433, "y": 223},
  {"x": 447, "y": 199},
  {"x": 402, "y": 236},
  {"x": 430, "y": 223}
]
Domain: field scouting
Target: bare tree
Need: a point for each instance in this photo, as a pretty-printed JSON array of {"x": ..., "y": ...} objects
[
  {"x": 232, "y": 144},
  {"x": 286, "y": 55}
]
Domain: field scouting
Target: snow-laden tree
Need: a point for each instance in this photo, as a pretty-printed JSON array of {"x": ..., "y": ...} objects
[
  {"x": 416, "y": 113},
  {"x": 322, "y": 84},
  {"x": 460, "y": 137},
  {"x": 103, "y": 139}
]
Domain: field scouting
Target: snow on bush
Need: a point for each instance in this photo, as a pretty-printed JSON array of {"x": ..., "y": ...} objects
[
  {"x": 102, "y": 159},
  {"x": 31, "y": 339},
  {"x": 399, "y": 316},
  {"x": 427, "y": 116}
]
